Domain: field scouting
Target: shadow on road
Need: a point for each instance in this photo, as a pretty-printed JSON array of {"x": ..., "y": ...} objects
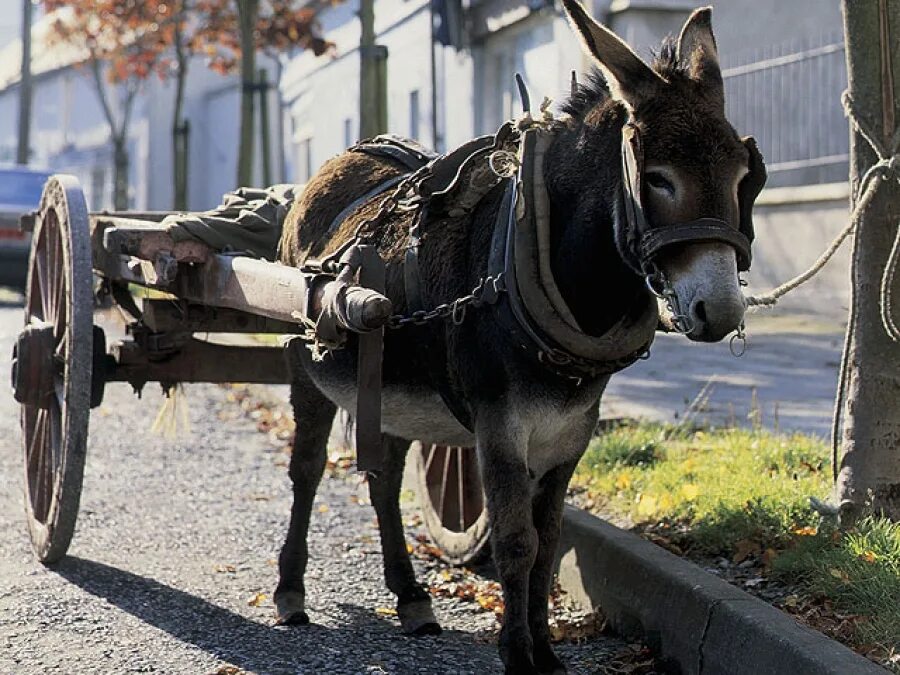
[{"x": 241, "y": 641}]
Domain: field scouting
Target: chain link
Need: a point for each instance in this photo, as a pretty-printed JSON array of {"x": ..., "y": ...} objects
[
  {"x": 660, "y": 286},
  {"x": 486, "y": 292}
]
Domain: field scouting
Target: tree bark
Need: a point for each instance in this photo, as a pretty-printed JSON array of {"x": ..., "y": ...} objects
[
  {"x": 179, "y": 126},
  {"x": 248, "y": 11},
  {"x": 264, "y": 139},
  {"x": 118, "y": 132},
  {"x": 869, "y": 471},
  {"x": 120, "y": 180},
  {"x": 23, "y": 151},
  {"x": 372, "y": 76}
]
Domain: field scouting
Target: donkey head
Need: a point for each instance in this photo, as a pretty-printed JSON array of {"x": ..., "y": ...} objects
[{"x": 686, "y": 222}]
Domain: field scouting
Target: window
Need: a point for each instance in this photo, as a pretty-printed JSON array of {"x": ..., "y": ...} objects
[{"x": 414, "y": 114}]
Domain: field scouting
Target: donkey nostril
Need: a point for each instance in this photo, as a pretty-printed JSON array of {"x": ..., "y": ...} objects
[{"x": 700, "y": 311}]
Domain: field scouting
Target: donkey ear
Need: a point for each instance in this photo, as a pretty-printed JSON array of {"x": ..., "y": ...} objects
[
  {"x": 697, "y": 52},
  {"x": 630, "y": 80}
]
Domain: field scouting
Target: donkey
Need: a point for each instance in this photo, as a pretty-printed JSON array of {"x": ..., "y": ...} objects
[{"x": 529, "y": 422}]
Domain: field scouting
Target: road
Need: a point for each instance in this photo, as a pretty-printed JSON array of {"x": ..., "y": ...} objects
[
  {"x": 787, "y": 378},
  {"x": 176, "y": 538}
]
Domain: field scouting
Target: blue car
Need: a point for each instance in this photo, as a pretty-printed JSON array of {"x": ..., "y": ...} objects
[{"x": 20, "y": 192}]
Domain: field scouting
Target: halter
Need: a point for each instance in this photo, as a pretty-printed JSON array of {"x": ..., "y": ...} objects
[{"x": 640, "y": 243}]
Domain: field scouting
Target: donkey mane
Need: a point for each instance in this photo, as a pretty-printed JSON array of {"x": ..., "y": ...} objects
[{"x": 595, "y": 89}]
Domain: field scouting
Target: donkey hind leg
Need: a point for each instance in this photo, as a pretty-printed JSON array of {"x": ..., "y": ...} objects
[
  {"x": 515, "y": 544},
  {"x": 413, "y": 602},
  {"x": 547, "y": 508},
  {"x": 314, "y": 415}
]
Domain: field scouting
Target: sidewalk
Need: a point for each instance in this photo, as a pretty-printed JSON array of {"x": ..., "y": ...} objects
[{"x": 791, "y": 362}]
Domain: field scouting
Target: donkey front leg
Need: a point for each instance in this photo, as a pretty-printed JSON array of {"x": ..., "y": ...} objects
[
  {"x": 547, "y": 507},
  {"x": 514, "y": 541},
  {"x": 313, "y": 414},
  {"x": 413, "y": 602}
]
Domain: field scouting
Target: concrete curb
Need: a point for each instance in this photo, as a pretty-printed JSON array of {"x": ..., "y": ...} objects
[{"x": 693, "y": 618}]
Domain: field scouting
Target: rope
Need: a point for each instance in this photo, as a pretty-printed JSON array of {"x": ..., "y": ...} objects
[{"x": 886, "y": 168}]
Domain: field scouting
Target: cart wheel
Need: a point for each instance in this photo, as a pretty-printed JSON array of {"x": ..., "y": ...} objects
[
  {"x": 52, "y": 363},
  {"x": 452, "y": 501}
]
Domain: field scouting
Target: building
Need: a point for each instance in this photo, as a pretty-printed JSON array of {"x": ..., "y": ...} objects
[{"x": 70, "y": 134}]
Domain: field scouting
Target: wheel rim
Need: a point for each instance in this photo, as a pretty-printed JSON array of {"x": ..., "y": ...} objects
[
  {"x": 452, "y": 500},
  {"x": 55, "y": 388}
]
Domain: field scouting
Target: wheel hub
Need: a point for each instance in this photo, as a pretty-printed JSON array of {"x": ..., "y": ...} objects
[{"x": 34, "y": 365}]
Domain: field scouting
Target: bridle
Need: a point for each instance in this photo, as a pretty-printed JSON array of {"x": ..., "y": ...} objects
[{"x": 640, "y": 243}]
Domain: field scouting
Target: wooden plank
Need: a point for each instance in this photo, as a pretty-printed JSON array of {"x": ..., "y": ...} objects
[
  {"x": 147, "y": 240},
  {"x": 369, "y": 448},
  {"x": 199, "y": 361},
  {"x": 169, "y": 315}
]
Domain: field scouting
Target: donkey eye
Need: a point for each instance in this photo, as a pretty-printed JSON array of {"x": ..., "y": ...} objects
[{"x": 659, "y": 182}]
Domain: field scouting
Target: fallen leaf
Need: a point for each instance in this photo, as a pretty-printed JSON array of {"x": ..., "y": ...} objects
[
  {"x": 791, "y": 601},
  {"x": 385, "y": 611},
  {"x": 805, "y": 531},
  {"x": 690, "y": 491},
  {"x": 257, "y": 600},
  {"x": 226, "y": 568},
  {"x": 323, "y": 508},
  {"x": 839, "y": 574},
  {"x": 744, "y": 548},
  {"x": 647, "y": 506},
  {"x": 869, "y": 556}
]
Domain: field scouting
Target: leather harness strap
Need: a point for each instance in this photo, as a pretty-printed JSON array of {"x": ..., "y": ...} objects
[{"x": 702, "y": 229}]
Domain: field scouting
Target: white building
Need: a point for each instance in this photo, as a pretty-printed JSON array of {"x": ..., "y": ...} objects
[{"x": 70, "y": 134}]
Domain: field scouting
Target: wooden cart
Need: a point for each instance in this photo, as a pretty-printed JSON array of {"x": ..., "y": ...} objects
[{"x": 61, "y": 362}]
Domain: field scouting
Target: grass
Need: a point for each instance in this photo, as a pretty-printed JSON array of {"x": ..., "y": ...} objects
[
  {"x": 727, "y": 485},
  {"x": 724, "y": 492},
  {"x": 859, "y": 570}
]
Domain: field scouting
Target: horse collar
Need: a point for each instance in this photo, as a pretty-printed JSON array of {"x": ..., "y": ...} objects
[{"x": 533, "y": 310}]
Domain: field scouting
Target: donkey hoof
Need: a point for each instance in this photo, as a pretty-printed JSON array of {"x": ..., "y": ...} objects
[
  {"x": 417, "y": 618},
  {"x": 547, "y": 662},
  {"x": 290, "y": 610}
]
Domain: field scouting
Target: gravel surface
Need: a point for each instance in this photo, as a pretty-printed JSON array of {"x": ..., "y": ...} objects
[{"x": 177, "y": 539}]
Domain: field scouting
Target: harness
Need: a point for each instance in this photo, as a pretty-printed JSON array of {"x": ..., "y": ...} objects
[{"x": 519, "y": 287}]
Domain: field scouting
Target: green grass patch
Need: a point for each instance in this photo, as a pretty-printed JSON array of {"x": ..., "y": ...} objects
[
  {"x": 722, "y": 492},
  {"x": 726, "y": 486},
  {"x": 859, "y": 570}
]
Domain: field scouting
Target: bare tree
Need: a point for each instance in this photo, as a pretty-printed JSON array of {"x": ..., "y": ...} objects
[{"x": 868, "y": 475}]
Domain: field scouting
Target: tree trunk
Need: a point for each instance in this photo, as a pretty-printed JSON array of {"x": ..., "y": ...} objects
[
  {"x": 869, "y": 470},
  {"x": 179, "y": 126},
  {"x": 372, "y": 76},
  {"x": 264, "y": 140},
  {"x": 248, "y": 11},
  {"x": 23, "y": 150},
  {"x": 120, "y": 175}
]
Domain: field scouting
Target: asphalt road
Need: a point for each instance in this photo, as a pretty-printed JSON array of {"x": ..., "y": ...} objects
[
  {"x": 786, "y": 379},
  {"x": 174, "y": 540}
]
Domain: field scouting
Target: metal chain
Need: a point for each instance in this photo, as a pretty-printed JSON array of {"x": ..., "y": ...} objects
[
  {"x": 653, "y": 277},
  {"x": 486, "y": 292}
]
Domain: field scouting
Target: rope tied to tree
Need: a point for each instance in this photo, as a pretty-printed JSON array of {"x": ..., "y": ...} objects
[{"x": 886, "y": 168}]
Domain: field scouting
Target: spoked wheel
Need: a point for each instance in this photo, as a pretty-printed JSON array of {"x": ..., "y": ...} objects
[
  {"x": 452, "y": 500},
  {"x": 52, "y": 363}
]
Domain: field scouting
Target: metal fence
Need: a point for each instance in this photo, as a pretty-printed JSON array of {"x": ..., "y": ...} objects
[{"x": 789, "y": 97}]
